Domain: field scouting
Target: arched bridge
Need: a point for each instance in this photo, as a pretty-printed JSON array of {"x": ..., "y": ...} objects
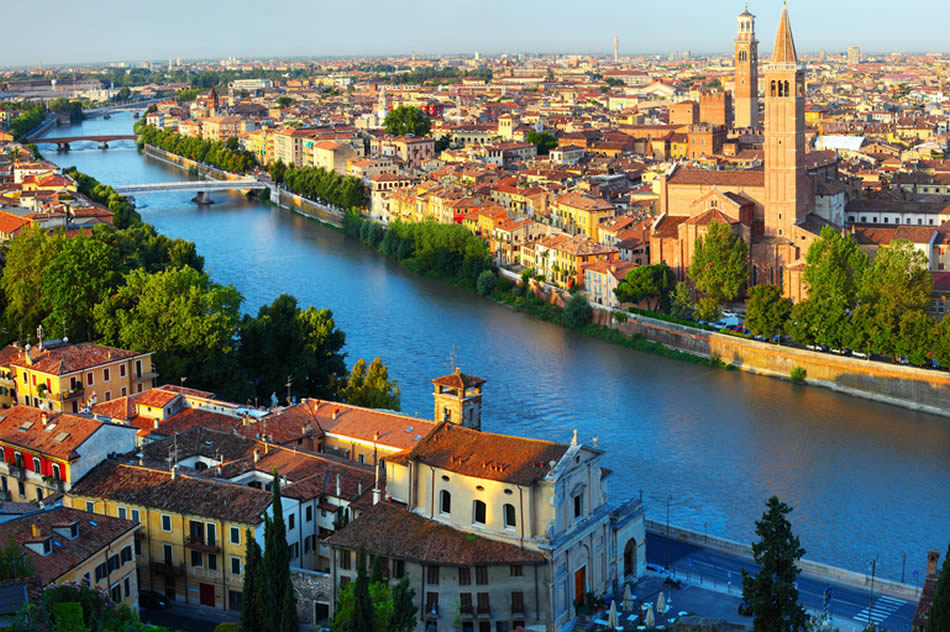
[
  {"x": 196, "y": 185},
  {"x": 63, "y": 142}
]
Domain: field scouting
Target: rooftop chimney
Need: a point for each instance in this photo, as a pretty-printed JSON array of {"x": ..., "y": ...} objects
[
  {"x": 257, "y": 456},
  {"x": 36, "y": 531},
  {"x": 174, "y": 471},
  {"x": 44, "y": 418},
  {"x": 932, "y": 558},
  {"x": 338, "y": 484}
]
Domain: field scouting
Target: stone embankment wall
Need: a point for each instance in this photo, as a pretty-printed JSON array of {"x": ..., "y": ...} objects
[
  {"x": 918, "y": 389},
  {"x": 206, "y": 171},
  {"x": 808, "y": 567}
]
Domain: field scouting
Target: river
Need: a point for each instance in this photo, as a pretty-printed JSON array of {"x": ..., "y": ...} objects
[{"x": 865, "y": 479}]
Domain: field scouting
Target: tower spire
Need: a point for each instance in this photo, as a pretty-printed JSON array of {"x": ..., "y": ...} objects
[{"x": 784, "y": 50}]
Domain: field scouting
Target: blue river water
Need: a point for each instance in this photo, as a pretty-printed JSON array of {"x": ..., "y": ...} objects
[{"x": 866, "y": 480}]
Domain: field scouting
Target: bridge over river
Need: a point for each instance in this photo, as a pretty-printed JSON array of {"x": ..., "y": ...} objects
[{"x": 63, "y": 142}]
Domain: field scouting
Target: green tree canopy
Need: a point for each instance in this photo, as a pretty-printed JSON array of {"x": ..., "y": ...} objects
[
  {"x": 185, "y": 318},
  {"x": 771, "y": 593},
  {"x": 371, "y": 386},
  {"x": 22, "y": 279},
  {"x": 681, "y": 301},
  {"x": 80, "y": 275},
  {"x": 577, "y": 311},
  {"x": 939, "y": 618},
  {"x": 834, "y": 266},
  {"x": 406, "y": 119},
  {"x": 767, "y": 311},
  {"x": 646, "y": 282},
  {"x": 720, "y": 263},
  {"x": 13, "y": 562},
  {"x": 404, "y": 610},
  {"x": 284, "y": 341},
  {"x": 544, "y": 141}
]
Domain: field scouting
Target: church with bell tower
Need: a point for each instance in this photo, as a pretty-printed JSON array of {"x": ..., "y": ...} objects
[
  {"x": 773, "y": 207},
  {"x": 746, "y": 90}
]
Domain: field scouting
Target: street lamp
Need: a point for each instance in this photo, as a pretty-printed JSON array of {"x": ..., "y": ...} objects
[
  {"x": 873, "y": 565},
  {"x": 668, "y": 499}
]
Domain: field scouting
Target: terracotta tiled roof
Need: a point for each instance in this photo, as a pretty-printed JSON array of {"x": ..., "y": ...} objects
[
  {"x": 458, "y": 380},
  {"x": 156, "y": 398},
  {"x": 61, "y": 434},
  {"x": 692, "y": 175},
  {"x": 188, "y": 418},
  {"x": 391, "y": 531},
  {"x": 669, "y": 226},
  {"x": 68, "y": 358},
  {"x": 95, "y": 533},
  {"x": 516, "y": 460},
  {"x": 157, "y": 489}
]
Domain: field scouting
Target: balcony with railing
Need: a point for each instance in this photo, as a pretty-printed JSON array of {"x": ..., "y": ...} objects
[
  {"x": 168, "y": 569},
  {"x": 141, "y": 376},
  {"x": 198, "y": 544}
]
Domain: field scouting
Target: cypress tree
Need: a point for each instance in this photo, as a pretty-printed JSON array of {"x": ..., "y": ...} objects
[
  {"x": 276, "y": 558},
  {"x": 939, "y": 618},
  {"x": 288, "y": 617},
  {"x": 404, "y": 610},
  {"x": 377, "y": 576},
  {"x": 771, "y": 594},
  {"x": 253, "y": 605},
  {"x": 364, "y": 615}
]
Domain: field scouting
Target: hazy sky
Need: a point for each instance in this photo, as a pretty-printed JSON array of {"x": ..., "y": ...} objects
[{"x": 63, "y": 31}]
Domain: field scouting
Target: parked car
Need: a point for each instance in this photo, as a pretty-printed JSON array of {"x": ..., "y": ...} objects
[{"x": 153, "y": 600}]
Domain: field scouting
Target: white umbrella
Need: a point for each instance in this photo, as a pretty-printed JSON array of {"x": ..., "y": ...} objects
[
  {"x": 612, "y": 622},
  {"x": 649, "y": 620},
  {"x": 661, "y": 604},
  {"x": 627, "y": 599}
]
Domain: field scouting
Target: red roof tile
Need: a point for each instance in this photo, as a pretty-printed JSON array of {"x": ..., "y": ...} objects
[{"x": 391, "y": 531}]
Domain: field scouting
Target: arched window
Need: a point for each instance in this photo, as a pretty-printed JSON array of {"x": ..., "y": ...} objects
[
  {"x": 445, "y": 502},
  {"x": 509, "y": 511},
  {"x": 478, "y": 512},
  {"x": 787, "y": 93},
  {"x": 772, "y": 91}
]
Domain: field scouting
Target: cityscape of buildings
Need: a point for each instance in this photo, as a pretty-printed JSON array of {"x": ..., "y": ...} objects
[{"x": 576, "y": 168}]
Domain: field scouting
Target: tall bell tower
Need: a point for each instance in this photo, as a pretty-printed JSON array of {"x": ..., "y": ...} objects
[
  {"x": 746, "y": 89},
  {"x": 786, "y": 181}
]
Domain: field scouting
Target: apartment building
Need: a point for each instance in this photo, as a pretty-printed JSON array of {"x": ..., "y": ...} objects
[
  {"x": 66, "y": 546},
  {"x": 64, "y": 377}
]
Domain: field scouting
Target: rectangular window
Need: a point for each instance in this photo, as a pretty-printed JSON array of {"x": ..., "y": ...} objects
[
  {"x": 121, "y": 370},
  {"x": 116, "y": 592},
  {"x": 212, "y": 562},
  {"x": 90, "y": 506},
  {"x": 578, "y": 505},
  {"x": 106, "y": 374},
  {"x": 309, "y": 513},
  {"x": 465, "y": 603},
  {"x": 345, "y": 560},
  {"x": 399, "y": 569},
  {"x": 290, "y": 522},
  {"x": 135, "y": 515},
  {"x": 138, "y": 546},
  {"x": 432, "y": 603},
  {"x": 123, "y": 392},
  {"x": 517, "y": 570},
  {"x": 101, "y": 572},
  {"x": 517, "y": 601},
  {"x": 212, "y": 534},
  {"x": 128, "y": 586},
  {"x": 126, "y": 554},
  {"x": 166, "y": 523},
  {"x": 235, "y": 565},
  {"x": 120, "y": 512},
  {"x": 432, "y": 575},
  {"x": 465, "y": 576},
  {"x": 235, "y": 535},
  {"x": 196, "y": 558},
  {"x": 114, "y": 563},
  {"x": 37, "y": 466},
  {"x": 481, "y": 575},
  {"x": 90, "y": 380},
  {"x": 107, "y": 396},
  {"x": 483, "y": 604},
  {"x": 167, "y": 555}
]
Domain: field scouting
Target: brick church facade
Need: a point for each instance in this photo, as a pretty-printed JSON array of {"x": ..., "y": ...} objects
[{"x": 775, "y": 209}]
